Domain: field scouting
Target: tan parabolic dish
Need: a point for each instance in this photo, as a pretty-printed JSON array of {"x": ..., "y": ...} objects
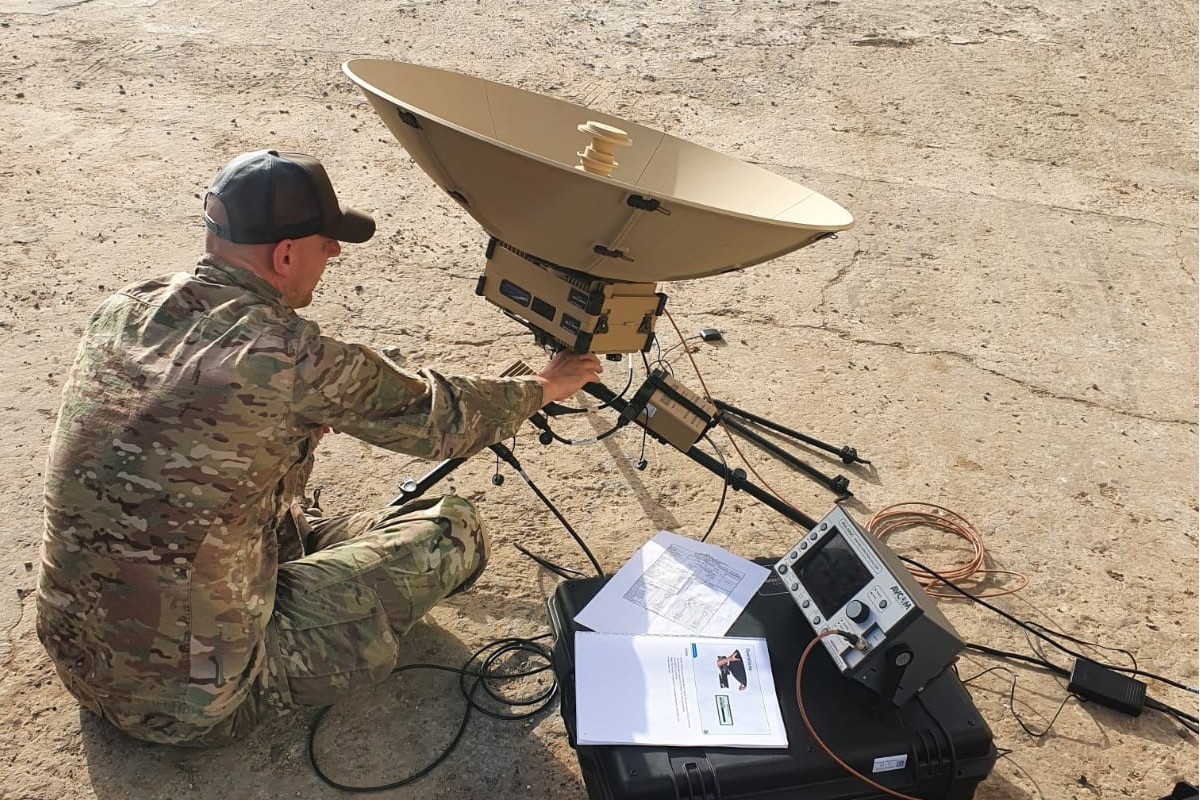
[{"x": 512, "y": 157}]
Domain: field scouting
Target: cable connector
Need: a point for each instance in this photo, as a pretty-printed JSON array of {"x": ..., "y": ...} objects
[{"x": 859, "y": 643}]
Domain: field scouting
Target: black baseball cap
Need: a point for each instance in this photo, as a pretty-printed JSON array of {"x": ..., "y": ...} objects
[{"x": 271, "y": 196}]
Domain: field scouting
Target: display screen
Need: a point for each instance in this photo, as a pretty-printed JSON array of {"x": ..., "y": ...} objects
[{"x": 832, "y": 573}]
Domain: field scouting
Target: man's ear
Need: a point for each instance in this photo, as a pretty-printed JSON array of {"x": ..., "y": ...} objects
[{"x": 282, "y": 257}]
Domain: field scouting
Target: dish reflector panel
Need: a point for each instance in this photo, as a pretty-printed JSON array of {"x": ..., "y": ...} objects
[{"x": 668, "y": 210}]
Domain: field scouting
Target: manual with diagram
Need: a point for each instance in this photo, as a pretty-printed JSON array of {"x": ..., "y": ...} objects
[{"x": 676, "y": 691}]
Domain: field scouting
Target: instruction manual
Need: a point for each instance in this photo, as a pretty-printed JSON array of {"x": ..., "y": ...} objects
[
  {"x": 675, "y": 585},
  {"x": 675, "y": 691}
]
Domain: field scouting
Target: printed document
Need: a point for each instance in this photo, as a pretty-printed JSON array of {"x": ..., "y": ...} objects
[
  {"x": 676, "y": 691},
  {"x": 677, "y": 586}
]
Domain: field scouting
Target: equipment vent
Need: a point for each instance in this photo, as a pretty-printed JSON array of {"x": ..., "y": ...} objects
[{"x": 571, "y": 276}]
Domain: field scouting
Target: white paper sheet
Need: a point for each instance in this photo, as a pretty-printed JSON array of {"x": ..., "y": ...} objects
[
  {"x": 675, "y": 691},
  {"x": 676, "y": 586}
]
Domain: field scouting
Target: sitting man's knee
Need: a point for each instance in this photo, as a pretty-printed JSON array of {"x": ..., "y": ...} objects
[
  {"x": 472, "y": 548},
  {"x": 460, "y": 508},
  {"x": 465, "y": 523}
]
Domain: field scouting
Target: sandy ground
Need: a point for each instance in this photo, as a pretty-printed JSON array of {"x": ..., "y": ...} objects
[{"x": 1009, "y": 331}]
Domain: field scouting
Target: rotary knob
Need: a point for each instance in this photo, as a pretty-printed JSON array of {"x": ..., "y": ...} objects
[{"x": 857, "y": 611}]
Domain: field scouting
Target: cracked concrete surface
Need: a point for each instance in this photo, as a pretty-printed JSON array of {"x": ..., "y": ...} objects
[{"x": 1009, "y": 331}]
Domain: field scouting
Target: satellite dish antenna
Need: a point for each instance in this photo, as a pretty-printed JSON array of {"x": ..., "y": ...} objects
[
  {"x": 587, "y": 214},
  {"x": 587, "y": 191}
]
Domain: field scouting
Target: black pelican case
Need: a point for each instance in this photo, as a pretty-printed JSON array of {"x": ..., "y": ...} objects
[{"x": 944, "y": 744}]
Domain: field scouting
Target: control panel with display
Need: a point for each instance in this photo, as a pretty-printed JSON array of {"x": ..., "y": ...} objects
[{"x": 843, "y": 579}]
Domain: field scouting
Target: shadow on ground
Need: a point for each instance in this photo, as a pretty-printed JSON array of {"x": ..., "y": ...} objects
[{"x": 373, "y": 738}]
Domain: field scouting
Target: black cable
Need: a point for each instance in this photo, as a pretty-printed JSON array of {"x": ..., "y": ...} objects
[
  {"x": 561, "y": 410},
  {"x": 642, "y": 452},
  {"x": 1084, "y": 642},
  {"x": 487, "y": 676},
  {"x": 1045, "y": 636},
  {"x": 1012, "y": 700},
  {"x": 540, "y": 422},
  {"x": 512, "y": 461},
  {"x": 658, "y": 363},
  {"x": 663, "y": 353},
  {"x": 1180, "y": 715},
  {"x": 1040, "y": 663},
  {"x": 563, "y": 572},
  {"x": 724, "y": 487},
  {"x": 1188, "y": 721},
  {"x": 553, "y": 510},
  {"x": 977, "y": 675},
  {"x": 484, "y": 676}
]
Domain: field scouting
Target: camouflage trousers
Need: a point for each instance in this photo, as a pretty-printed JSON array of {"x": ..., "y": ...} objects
[{"x": 341, "y": 610}]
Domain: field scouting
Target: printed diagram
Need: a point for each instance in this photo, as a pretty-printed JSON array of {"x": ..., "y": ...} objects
[
  {"x": 675, "y": 586},
  {"x": 684, "y": 587}
]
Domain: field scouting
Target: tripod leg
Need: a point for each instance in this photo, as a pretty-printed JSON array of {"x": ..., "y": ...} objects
[
  {"x": 839, "y": 485},
  {"x": 412, "y": 489},
  {"x": 738, "y": 482},
  {"x": 847, "y": 453}
]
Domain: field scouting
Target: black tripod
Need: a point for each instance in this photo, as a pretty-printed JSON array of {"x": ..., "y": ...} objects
[
  {"x": 736, "y": 478},
  {"x": 838, "y": 484}
]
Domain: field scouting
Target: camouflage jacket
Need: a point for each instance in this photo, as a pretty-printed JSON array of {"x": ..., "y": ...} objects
[{"x": 187, "y": 428}]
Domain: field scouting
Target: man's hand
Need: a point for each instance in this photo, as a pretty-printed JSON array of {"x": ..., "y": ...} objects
[{"x": 566, "y": 374}]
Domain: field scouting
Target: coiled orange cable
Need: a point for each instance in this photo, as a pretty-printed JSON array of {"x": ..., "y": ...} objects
[{"x": 900, "y": 516}]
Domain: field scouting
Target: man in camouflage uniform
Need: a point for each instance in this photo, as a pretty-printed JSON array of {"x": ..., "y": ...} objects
[{"x": 169, "y": 598}]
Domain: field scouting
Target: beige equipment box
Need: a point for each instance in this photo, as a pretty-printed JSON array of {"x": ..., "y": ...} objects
[
  {"x": 576, "y": 311},
  {"x": 670, "y": 412}
]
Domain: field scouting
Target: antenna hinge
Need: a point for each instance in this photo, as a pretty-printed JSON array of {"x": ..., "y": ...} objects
[
  {"x": 601, "y": 250},
  {"x": 645, "y": 204}
]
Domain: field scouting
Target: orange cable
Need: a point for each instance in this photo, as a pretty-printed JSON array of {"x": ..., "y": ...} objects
[
  {"x": 895, "y": 517},
  {"x": 908, "y": 514},
  {"x": 732, "y": 441},
  {"x": 816, "y": 738}
]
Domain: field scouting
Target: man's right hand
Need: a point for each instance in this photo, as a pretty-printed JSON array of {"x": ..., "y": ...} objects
[{"x": 566, "y": 374}]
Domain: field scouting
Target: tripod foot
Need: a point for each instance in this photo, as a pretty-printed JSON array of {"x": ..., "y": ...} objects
[{"x": 849, "y": 455}]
